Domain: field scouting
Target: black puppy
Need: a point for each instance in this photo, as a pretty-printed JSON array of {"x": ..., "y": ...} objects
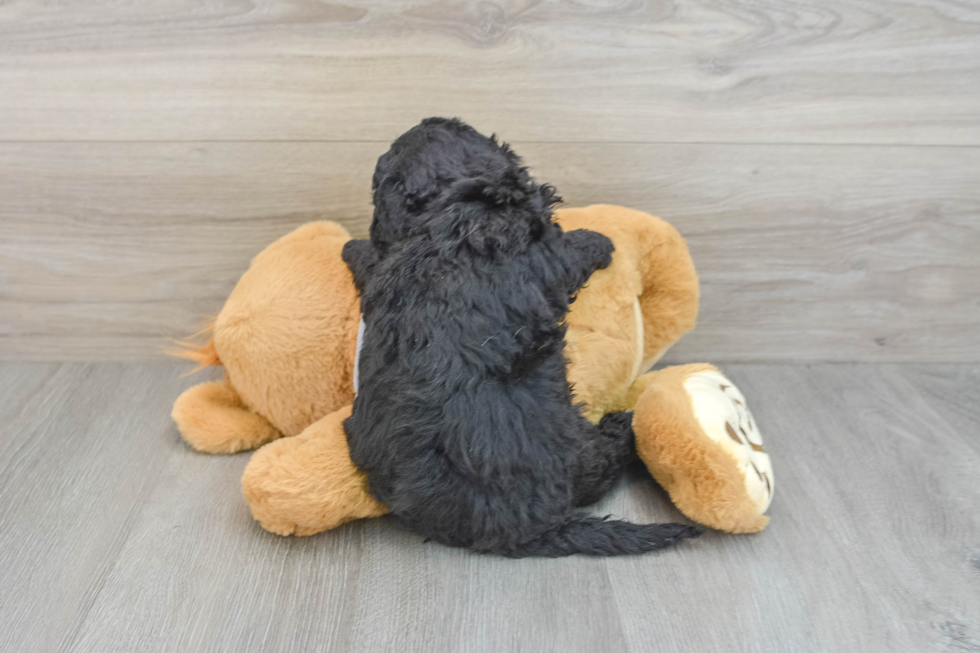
[{"x": 464, "y": 422}]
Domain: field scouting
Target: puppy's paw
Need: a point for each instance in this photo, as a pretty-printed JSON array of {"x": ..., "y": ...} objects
[
  {"x": 617, "y": 425},
  {"x": 360, "y": 257},
  {"x": 603, "y": 252},
  {"x": 596, "y": 247}
]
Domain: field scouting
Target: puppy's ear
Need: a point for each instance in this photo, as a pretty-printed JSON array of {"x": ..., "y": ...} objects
[{"x": 361, "y": 257}]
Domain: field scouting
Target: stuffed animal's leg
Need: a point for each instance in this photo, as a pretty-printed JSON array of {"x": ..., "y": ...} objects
[
  {"x": 212, "y": 418},
  {"x": 307, "y": 484},
  {"x": 670, "y": 295},
  {"x": 697, "y": 436},
  {"x": 608, "y": 449}
]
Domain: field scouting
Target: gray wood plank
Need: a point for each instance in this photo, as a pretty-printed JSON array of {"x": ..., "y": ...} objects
[
  {"x": 687, "y": 71},
  {"x": 431, "y": 598},
  {"x": 80, "y": 447},
  {"x": 873, "y": 547},
  {"x": 198, "y": 574},
  {"x": 951, "y": 394},
  {"x": 19, "y": 382},
  {"x": 805, "y": 252},
  {"x": 873, "y": 528}
]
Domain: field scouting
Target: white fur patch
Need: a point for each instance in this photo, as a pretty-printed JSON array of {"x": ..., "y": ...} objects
[
  {"x": 638, "y": 319},
  {"x": 357, "y": 352}
]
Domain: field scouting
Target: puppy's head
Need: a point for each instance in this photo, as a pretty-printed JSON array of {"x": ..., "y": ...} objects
[{"x": 444, "y": 180}]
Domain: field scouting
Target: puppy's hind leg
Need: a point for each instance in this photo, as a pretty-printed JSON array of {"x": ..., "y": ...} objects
[{"x": 608, "y": 449}]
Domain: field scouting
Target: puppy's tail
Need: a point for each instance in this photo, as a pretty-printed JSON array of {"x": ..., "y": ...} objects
[{"x": 600, "y": 536}]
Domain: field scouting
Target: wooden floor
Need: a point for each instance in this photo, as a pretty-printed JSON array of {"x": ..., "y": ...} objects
[{"x": 114, "y": 536}]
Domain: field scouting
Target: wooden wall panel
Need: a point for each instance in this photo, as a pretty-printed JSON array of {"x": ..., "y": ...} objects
[
  {"x": 822, "y": 160},
  {"x": 839, "y": 71},
  {"x": 805, "y": 252}
]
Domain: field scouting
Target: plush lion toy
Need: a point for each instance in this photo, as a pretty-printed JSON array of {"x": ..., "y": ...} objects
[{"x": 288, "y": 336}]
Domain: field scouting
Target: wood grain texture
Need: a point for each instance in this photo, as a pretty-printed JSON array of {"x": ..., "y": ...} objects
[
  {"x": 805, "y": 252},
  {"x": 953, "y": 393},
  {"x": 117, "y": 537},
  {"x": 858, "y": 541},
  {"x": 606, "y": 70},
  {"x": 80, "y": 448}
]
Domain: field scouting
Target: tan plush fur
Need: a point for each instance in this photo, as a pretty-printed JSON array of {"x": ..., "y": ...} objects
[
  {"x": 212, "y": 417},
  {"x": 287, "y": 333},
  {"x": 287, "y": 337},
  {"x": 294, "y": 486},
  {"x": 651, "y": 266},
  {"x": 703, "y": 481}
]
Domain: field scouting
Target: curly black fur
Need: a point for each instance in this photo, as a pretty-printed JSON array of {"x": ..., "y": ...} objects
[{"x": 464, "y": 422}]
